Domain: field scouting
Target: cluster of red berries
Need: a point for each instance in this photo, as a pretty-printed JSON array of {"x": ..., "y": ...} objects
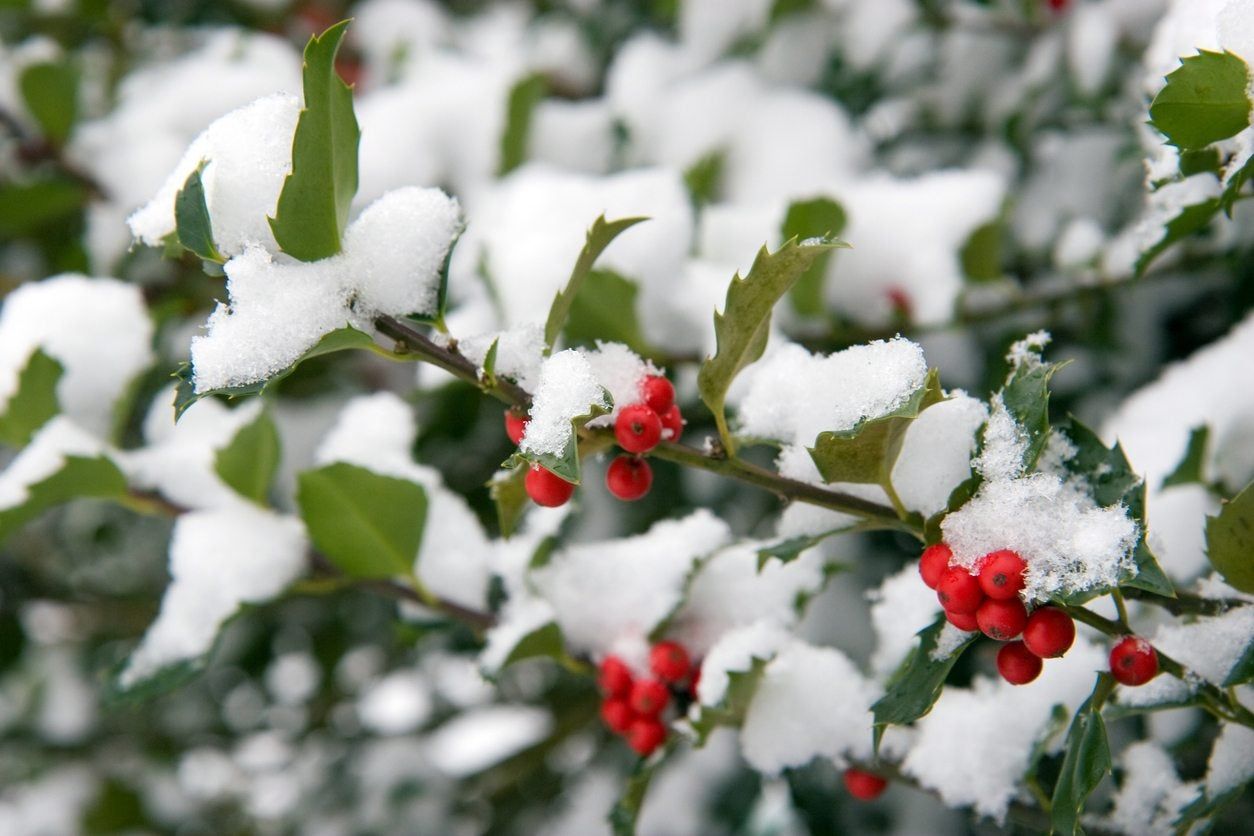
[
  {"x": 633, "y": 707},
  {"x": 638, "y": 429},
  {"x": 987, "y": 599}
]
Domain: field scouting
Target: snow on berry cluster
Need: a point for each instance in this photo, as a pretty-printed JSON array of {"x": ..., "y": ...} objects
[
  {"x": 1068, "y": 543},
  {"x": 575, "y": 384}
]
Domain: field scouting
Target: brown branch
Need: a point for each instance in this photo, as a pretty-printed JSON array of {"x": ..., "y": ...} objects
[{"x": 451, "y": 360}]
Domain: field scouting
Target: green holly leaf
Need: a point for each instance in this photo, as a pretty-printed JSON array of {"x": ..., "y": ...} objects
[
  {"x": 248, "y": 463},
  {"x": 1190, "y": 469},
  {"x": 866, "y": 453},
  {"x": 543, "y": 642},
  {"x": 599, "y": 236},
  {"x": 313, "y": 206},
  {"x": 191, "y": 216},
  {"x": 1230, "y": 540},
  {"x": 1205, "y": 100},
  {"x": 50, "y": 91},
  {"x": 79, "y": 477},
  {"x": 524, "y": 96},
  {"x": 341, "y": 339},
  {"x": 29, "y": 208},
  {"x": 1187, "y": 221},
  {"x": 816, "y": 218},
  {"x": 743, "y": 326},
  {"x": 1113, "y": 482},
  {"x": 786, "y": 551},
  {"x": 606, "y": 310},
  {"x": 916, "y": 686},
  {"x": 1026, "y": 396},
  {"x": 509, "y": 494},
  {"x": 626, "y": 810},
  {"x": 981, "y": 254},
  {"x": 731, "y": 709},
  {"x": 704, "y": 178},
  {"x": 1086, "y": 762},
  {"x": 368, "y": 525},
  {"x": 34, "y": 402}
]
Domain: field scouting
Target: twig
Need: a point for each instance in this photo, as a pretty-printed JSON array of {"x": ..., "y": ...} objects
[{"x": 454, "y": 362}]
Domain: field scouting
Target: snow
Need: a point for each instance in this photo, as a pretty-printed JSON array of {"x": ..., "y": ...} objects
[
  {"x": 177, "y": 460},
  {"x": 949, "y": 640},
  {"x": 531, "y": 226},
  {"x": 935, "y": 455},
  {"x": 44, "y": 457},
  {"x": 735, "y": 651},
  {"x": 1153, "y": 424},
  {"x": 620, "y": 372},
  {"x": 475, "y": 740},
  {"x": 97, "y": 329},
  {"x": 519, "y": 618},
  {"x": 811, "y": 702},
  {"x": 519, "y": 352},
  {"x": 1231, "y": 761},
  {"x": 396, "y": 248},
  {"x": 219, "y": 560},
  {"x": 606, "y": 590},
  {"x": 399, "y": 703},
  {"x": 709, "y": 28},
  {"x": 728, "y": 591},
  {"x": 1209, "y": 646},
  {"x": 793, "y": 395},
  {"x": 568, "y": 389},
  {"x": 160, "y": 107},
  {"x": 278, "y": 309},
  {"x": 976, "y": 742},
  {"x": 1069, "y": 543},
  {"x": 907, "y": 235},
  {"x": 900, "y": 607},
  {"x": 1092, "y": 37},
  {"x": 1150, "y": 795},
  {"x": 249, "y": 154}
]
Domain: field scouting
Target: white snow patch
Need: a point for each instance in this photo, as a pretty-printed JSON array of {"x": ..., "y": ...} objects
[
  {"x": 605, "y": 591},
  {"x": 219, "y": 560},
  {"x": 97, "y": 329}
]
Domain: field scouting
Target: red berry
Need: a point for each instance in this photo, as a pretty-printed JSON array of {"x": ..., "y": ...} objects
[
  {"x": 959, "y": 591},
  {"x": 933, "y": 563},
  {"x": 672, "y": 423},
  {"x": 658, "y": 393},
  {"x": 547, "y": 488},
  {"x": 638, "y": 428},
  {"x": 629, "y": 478},
  {"x": 515, "y": 425},
  {"x": 670, "y": 662},
  {"x": 1002, "y": 620},
  {"x": 615, "y": 677},
  {"x": 1133, "y": 661},
  {"x": 901, "y": 303},
  {"x": 864, "y": 785},
  {"x": 963, "y": 620},
  {"x": 1001, "y": 574},
  {"x": 617, "y": 715},
  {"x": 645, "y": 735},
  {"x": 1018, "y": 665},
  {"x": 1058, "y": 5},
  {"x": 1049, "y": 632},
  {"x": 649, "y": 697}
]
